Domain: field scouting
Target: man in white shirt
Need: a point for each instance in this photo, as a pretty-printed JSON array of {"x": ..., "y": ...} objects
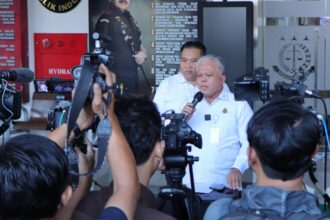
[
  {"x": 222, "y": 122},
  {"x": 175, "y": 91}
]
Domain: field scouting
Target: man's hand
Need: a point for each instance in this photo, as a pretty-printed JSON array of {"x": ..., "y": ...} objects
[
  {"x": 97, "y": 103},
  {"x": 86, "y": 117},
  {"x": 160, "y": 156},
  {"x": 140, "y": 57},
  {"x": 188, "y": 110},
  {"x": 234, "y": 179},
  {"x": 86, "y": 161}
]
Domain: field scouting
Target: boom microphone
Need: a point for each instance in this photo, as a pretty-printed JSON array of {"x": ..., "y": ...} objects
[
  {"x": 23, "y": 75},
  {"x": 197, "y": 98}
]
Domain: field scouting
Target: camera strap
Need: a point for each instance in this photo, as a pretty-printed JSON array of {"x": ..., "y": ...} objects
[
  {"x": 103, "y": 133},
  {"x": 81, "y": 93}
]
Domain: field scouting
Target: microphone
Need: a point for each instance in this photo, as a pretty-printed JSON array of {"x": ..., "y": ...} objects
[
  {"x": 312, "y": 94},
  {"x": 197, "y": 98},
  {"x": 23, "y": 75}
]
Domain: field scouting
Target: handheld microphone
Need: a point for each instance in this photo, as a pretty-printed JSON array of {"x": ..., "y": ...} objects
[
  {"x": 197, "y": 98},
  {"x": 23, "y": 75}
]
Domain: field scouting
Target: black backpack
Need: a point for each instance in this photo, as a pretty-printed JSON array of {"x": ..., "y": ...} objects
[{"x": 239, "y": 213}]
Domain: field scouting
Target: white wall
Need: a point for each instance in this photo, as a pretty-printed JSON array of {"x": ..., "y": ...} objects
[{"x": 41, "y": 20}]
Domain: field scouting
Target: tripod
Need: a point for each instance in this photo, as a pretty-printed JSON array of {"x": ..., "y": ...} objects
[{"x": 185, "y": 204}]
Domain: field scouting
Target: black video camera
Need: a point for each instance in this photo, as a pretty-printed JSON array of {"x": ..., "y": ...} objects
[
  {"x": 177, "y": 134},
  {"x": 253, "y": 85},
  {"x": 89, "y": 65},
  {"x": 10, "y": 106},
  {"x": 86, "y": 74}
]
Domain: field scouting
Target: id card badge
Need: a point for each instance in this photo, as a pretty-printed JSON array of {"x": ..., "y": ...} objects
[{"x": 215, "y": 135}]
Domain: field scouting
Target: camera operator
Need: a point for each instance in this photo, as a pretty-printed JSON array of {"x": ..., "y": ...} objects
[
  {"x": 48, "y": 192},
  {"x": 35, "y": 180},
  {"x": 36, "y": 153},
  {"x": 283, "y": 137},
  {"x": 141, "y": 124},
  {"x": 120, "y": 158},
  {"x": 222, "y": 123}
]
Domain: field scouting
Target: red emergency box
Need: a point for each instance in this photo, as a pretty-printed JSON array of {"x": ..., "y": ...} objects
[{"x": 56, "y": 54}]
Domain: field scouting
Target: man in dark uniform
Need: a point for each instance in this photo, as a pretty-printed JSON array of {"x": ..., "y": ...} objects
[{"x": 120, "y": 34}]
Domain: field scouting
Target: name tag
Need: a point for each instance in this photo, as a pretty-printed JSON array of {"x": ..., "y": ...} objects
[{"x": 214, "y": 135}]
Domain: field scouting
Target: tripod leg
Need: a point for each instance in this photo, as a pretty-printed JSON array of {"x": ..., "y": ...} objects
[
  {"x": 181, "y": 208},
  {"x": 195, "y": 209}
]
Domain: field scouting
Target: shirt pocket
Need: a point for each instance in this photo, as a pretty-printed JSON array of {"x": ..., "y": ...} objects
[{"x": 228, "y": 125}]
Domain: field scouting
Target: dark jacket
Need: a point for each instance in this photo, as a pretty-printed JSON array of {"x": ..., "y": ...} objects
[
  {"x": 90, "y": 207},
  {"x": 119, "y": 34}
]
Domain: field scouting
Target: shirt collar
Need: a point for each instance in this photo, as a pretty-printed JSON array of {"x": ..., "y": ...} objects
[
  {"x": 182, "y": 80},
  {"x": 225, "y": 93}
]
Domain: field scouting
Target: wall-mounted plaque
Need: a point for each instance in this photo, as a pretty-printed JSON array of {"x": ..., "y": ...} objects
[{"x": 59, "y": 6}]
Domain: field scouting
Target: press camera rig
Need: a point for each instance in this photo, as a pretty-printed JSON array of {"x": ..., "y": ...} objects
[
  {"x": 255, "y": 85},
  {"x": 179, "y": 137}
]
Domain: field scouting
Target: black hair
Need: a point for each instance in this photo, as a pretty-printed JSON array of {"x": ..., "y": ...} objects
[
  {"x": 141, "y": 124},
  {"x": 284, "y": 135},
  {"x": 194, "y": 44},
  {"x": 34, "y": 173}
]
